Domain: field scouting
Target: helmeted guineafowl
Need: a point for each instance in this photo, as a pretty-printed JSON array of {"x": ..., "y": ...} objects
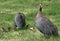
[
  {"x": 19, "y": 20},
  {"x": 44, "y": 25}
]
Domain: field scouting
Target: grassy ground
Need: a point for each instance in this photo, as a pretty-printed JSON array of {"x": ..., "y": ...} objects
[{"x": 9, "y": 8}]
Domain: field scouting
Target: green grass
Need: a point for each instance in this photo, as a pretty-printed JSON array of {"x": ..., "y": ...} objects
[{"x": 9, "y": 8}]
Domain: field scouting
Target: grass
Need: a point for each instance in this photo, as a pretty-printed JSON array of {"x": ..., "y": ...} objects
[{"x": 9, "y": 8}]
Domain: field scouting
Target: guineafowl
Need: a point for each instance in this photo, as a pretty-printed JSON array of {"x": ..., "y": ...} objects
[
  {"x": 44, "y": 25},
  {"x": 19, "y": 20}
]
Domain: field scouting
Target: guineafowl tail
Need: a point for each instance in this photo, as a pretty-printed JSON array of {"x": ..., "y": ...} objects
[{"x": 40, "y": 9}]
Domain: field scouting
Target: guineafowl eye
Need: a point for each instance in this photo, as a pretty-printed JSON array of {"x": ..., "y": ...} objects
[{"x": 44, "y": 25}]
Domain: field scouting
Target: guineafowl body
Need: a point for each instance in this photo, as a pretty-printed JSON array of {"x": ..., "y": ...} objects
[
  {"x": 19, "y": 20},
  {"x": 44, "y": 25}
]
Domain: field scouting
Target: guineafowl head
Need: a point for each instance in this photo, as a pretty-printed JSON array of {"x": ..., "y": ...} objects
[
  {"x": 40, "y": 7},
  {"x": 20, "y": 15},
  {"x": 39, "y": 14}
]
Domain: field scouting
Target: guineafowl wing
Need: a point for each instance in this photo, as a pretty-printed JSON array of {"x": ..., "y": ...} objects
[{"x": 46, "y": 26}]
